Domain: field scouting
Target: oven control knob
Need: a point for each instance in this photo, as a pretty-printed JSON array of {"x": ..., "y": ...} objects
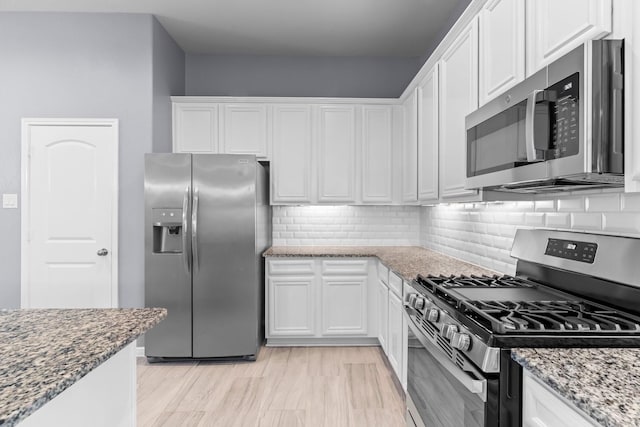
[
  {"x": 448, "y": 330},
  {"x": 419, "y": 303},
  {"x": 461, "y": 341},
  {"x": 434, "y": 315}
]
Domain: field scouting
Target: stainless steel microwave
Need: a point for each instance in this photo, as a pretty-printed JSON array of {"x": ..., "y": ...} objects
[{"x": 560, "y": 129}]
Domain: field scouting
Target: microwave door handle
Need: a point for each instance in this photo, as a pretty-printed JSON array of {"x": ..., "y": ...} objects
[{"x": 529, "y": 127}]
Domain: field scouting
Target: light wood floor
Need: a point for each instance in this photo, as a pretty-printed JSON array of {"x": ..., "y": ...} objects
[{"x": 299, "y": 386}]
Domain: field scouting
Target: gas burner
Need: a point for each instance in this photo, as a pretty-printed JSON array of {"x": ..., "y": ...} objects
[
  {"x": 548, "y": 316},
  {"x": 473, "y": 281}
]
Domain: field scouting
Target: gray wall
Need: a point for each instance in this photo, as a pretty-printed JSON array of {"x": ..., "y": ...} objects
[
  {"x": 83, "y": 65},
  {"x": 168, "y": 79},
  {"x": 248, "y": 75}
]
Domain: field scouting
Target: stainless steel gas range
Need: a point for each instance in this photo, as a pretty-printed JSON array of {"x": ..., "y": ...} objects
[{"x": 570, "y": 290}]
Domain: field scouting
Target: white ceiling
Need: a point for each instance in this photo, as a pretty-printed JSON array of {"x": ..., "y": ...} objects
[{"x": 281, "y": 27}]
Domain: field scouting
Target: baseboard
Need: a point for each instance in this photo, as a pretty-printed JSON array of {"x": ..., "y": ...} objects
[{"x": 293, "y": 342}]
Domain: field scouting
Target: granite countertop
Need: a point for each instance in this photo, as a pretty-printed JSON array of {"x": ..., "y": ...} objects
[
  {"x": 603, "y": 382},
  {"x": 44, "y": 351},
  {"x": 407, "y": 261}
]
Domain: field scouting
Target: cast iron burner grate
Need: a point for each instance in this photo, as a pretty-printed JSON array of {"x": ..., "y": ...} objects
[
  {"x": 549, "y": 317},
  {"x": 473, "y": 281}
]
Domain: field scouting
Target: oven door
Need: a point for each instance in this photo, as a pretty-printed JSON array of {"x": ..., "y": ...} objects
[{"x": 440, "y": 393}]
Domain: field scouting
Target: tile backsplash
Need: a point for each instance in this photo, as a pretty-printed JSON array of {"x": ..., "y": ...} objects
[
  {"x": 482, "y": 233},
  {"x": 346, "y": 225}
]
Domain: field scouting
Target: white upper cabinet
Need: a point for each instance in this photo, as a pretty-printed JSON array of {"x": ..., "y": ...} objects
[
  {"x": 291, "y": 160},
  {"x": 556, "y": 27},
  {"x": 336, "y": 150},
  {"x": 245, "y": 129},
  {"x": 377, "y": 153},
  {"x": 195, "y": 128},
  {"x": 502, "y": 47},
  {"x": 458, "y": 97},
  {"x": 428, "y": 137},
  {"x": 410, "y": 150}
]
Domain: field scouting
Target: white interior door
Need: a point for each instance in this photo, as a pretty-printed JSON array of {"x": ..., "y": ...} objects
[{"x": 69, "y": 213}]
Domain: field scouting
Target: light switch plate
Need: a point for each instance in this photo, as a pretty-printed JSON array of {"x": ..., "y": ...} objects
[{"x": 9, "y": 201}]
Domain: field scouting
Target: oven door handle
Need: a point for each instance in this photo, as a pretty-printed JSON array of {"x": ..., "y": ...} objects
[{"x": 474, "y": 386}]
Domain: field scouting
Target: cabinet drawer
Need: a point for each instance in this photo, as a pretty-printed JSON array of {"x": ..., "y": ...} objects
[
  {"x": 395, "y": 283},
  {"x": 289, "y": 266},
  {"x": 383, "y": 273},
  {"x": 345, "y": 266}
]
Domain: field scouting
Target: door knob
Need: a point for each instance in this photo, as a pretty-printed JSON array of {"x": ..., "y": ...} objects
[{"x": 103, "y": 252}]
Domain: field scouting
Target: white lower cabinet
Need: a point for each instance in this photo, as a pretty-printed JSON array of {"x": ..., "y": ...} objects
[
  {"x": 542, "y": 407},
  {"x": 395, "y": 350},
  {"x": 344, "y": 305},
  {"x": 320, "y": 301},
  {"x": 383, "y": 314}
]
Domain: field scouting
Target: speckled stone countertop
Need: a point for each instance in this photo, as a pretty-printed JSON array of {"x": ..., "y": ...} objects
[
  {"x": 603, "y": 382},
  {"x": 407, "y": 261},
  {"x": 44, "y": 351}
]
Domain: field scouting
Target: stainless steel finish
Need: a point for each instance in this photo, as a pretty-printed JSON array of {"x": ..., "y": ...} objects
[
  {"x": 194, "y": 231},
  {"x": 166, "y": 282},
  {"x": 217, "y": 310},
  {"x": 600, "y": 161},
  {"x": 486, "y": 358},
  {"x": 461, "y": 374},
  {"x": 102, "y": 252},
  {"x": 448, "y": 330},
  {"x": 185, "y": 224},
  {"x": 616, "y": 257},
  {"x": 530, "y": 127},
  {"x": 461, "y": 341},
  {"x": 433, "y": 315}
]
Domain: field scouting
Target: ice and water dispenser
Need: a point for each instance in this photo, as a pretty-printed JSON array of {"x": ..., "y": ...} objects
[{"x": 167, "y": 231}]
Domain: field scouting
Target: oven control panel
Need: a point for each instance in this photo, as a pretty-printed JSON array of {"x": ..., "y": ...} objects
[{"x": 572, "y": 249}]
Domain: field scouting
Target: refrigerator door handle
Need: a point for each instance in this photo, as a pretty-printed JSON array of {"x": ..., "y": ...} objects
[
  {"x": 194, "y": 230},
  {"x": 185, "y": 242}
]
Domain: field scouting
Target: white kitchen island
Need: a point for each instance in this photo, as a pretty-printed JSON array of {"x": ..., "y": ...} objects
[{"x": 70, "y": 367}]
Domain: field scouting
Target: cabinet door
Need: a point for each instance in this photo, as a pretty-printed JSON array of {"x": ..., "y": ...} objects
[
  {"x": 290, "y": 306},
  {"x": 336, "y": 153},
  {"x": 195, "y": 128},
  {"x": 344, "y": 305},
  {"x": 377, "y": 143},
  {"x": 502, "y": 47},
  {"x": 291, "y": 163},
  {"x": 458, "y": 97},
  {"x": 394, "y": 353},
  {"x": 383, "y": 314},
  {"x": 410, "y": 149},
  {"x": 428, "y": 136},
  {"x": 543, "y": 408},
  {"x": 556, "y": 27},
  {"x": 245, "y": 129}
]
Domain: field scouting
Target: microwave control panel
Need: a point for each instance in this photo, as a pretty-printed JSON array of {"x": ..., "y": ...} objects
[
  {"x": 565, "y": 117},
  {"x": 574, "y": 250}
]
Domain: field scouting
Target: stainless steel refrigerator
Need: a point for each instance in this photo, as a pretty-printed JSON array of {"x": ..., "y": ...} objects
[{"x": 207, "y": 222}]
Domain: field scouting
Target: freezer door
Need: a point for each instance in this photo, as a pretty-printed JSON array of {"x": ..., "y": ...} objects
[
  {"x": 225, "y": 276},
  {"x": 167, "y": 186}
]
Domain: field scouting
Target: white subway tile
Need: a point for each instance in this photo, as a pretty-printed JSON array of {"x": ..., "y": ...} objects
[
  {"x": 534, "y": 219},
  {"x": 586, "y": 221},
  {"x": 631, "y": 202},
  {"x": 603, "y": 203},
  {"x": 545, "y": 205},
  {"x": 571, "y": 205},
  {"x": 626, "y": 223},
  {"x": 558, "y": 220}
]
